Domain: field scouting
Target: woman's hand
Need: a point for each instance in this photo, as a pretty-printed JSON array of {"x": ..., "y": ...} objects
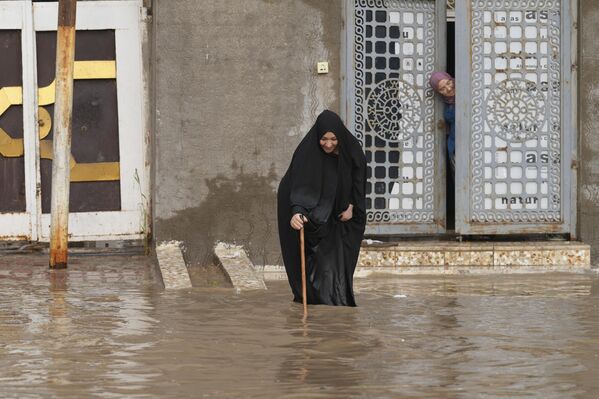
[
  {"x": 347, "y": 214},
  {"x": 297, "y": 221}
]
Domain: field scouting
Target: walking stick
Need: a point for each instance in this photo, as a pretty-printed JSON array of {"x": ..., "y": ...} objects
[{"x": 303, "y": 261}]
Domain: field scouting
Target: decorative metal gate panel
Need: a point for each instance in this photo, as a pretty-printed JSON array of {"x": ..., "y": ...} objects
[
  {"x": 514, "y": 126},
  {"x": 392, "y": 110}
]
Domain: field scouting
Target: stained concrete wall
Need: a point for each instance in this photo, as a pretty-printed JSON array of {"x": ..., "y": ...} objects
[
  {"x": 588, "y": 198},
  {"x": 235, "y": 90}
]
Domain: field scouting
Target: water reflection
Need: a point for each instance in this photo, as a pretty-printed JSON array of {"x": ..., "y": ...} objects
[
  {"x": 326, "y": 348},
  {"x": 103, "y": 329}
]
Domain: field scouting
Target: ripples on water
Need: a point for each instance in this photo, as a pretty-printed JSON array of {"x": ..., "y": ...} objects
[{"x": 103, "y": 329}]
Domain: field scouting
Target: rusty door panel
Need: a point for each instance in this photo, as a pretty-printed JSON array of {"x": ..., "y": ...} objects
[
  {"x": 12, "y": 165},
  {"x": 95, "y": 139}
]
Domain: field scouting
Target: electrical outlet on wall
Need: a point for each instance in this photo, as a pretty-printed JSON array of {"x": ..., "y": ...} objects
[{"x": 322, "y": 67}]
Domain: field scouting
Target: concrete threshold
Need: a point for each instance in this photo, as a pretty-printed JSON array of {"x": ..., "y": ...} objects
[
  {"x": 476, "y": 257},
  {"x": 434, "y": 257}
]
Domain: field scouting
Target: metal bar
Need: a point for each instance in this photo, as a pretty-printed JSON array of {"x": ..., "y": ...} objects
[
  {"x": 463, "y": 56},
  {"x": 30, "y": 124},
  {"x": 63, "y": 108},
  {"x": 567, "y": 129},
  {"x": 344, "y": 50},
  {"x": 349, "y": 72},
  {"x": 574, "y": 135}
]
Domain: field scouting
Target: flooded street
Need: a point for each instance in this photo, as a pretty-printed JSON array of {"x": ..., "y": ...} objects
[{"x": 104, "y": 329}]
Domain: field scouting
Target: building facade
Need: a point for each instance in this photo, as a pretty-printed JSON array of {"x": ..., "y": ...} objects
[{"x": 192, "y": 111}]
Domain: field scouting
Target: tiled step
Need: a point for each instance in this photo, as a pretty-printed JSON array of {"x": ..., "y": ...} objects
[
  {"x": 434, "y": 257},
  {"x": 469, "y": 256}
]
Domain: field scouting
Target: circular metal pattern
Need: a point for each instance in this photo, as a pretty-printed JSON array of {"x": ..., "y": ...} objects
[
  {"x": 515, "y": 110},
  {"x": 394, "y": 110}
]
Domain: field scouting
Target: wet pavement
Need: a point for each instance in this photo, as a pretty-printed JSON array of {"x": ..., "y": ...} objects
[{"x": 104, "y": 329}]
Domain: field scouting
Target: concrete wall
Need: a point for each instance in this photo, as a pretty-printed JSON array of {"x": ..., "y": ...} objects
[
  {"x": 588, "y": 198},
  {"x": 235, "y": 90}
]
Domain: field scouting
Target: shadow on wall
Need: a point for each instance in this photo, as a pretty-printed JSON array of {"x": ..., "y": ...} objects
[{"x": 240, "y": 210}]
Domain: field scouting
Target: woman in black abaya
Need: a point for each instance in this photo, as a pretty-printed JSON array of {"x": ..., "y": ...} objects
[{"x": 324, "y": 192}]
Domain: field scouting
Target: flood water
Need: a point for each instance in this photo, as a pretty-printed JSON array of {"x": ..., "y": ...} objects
[{"x": 103, "y": 329}]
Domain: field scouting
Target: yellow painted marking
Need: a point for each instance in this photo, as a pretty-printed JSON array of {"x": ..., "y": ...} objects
[
  {"x": 10, "y": 96},
  {"x": 95, "y": 70},
  {"x": 13, "y": 148},
  {"x": 9, "y": 147},
  {"x": 84, "y": 70},
  {"x": 44, "y": 120},
  {"x": 100, "y": 171},
  {"x": 47, "y": 152},
  {"x": 45, "y": 95}
]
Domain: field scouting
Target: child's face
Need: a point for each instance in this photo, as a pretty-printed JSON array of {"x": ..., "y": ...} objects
[{"x": 447, "y": 88}]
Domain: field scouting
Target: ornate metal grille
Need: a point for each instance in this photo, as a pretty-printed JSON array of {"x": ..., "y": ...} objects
[
  {"x": 516, "y": 111},
  {"x": 394, "y": 107}
]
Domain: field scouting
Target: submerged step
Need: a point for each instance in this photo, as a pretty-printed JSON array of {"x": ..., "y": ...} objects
[
  {"x": 435, "y": 257},
  {"x": 550, "y": 254}
]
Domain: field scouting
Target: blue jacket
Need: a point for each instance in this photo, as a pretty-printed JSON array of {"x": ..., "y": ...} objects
[{"x": 449, "y": 116}]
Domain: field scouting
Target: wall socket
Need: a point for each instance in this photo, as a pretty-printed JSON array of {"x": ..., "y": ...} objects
[{"x": 322, "y": 67}]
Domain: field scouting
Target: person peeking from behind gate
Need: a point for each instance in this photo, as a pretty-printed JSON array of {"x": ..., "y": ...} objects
[
  {"x": 444, "y": 84},
  {"x": 324, "y": 192}
]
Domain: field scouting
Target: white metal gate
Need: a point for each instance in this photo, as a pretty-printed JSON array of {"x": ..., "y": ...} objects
[
  {"x": 394, "y": 47},
  {"x": 515, "y": 135},
  {"x": 515, "y": 113}
]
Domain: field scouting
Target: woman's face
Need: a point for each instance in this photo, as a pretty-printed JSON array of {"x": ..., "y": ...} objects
[
  {"x": 328, "y": 142},
  {"x": 447, "y": 88}
]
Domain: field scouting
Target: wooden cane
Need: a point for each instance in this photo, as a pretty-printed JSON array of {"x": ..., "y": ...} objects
[{"x": 303, "y": 261}]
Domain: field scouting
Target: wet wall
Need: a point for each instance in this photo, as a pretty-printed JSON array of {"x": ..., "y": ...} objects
[
  {"x": 588, "y": 189},
  {"x": 235, "y": 90}
]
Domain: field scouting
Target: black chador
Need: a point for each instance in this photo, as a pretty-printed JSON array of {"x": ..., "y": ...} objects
[{"x": 321, "y": 186}]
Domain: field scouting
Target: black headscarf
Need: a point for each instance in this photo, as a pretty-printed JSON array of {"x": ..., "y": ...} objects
[{"x": 308, "y": 174}]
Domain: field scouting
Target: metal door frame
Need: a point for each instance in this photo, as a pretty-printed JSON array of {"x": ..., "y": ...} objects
[
  {"x": 124, "y": 17},
  {"x": 133, "y": 220},
  {"x": 438, "y": 225},
  {"x": 17, "y": 15},
  {"x": 569, "y": 128}
]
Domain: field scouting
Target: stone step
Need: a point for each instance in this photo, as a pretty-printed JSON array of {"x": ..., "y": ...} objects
[
  {"x": 568, "y": 254},
  {"x": 238, "y": 267},
  {"x": 172, "y": 265},
  {"x": 435, "y": 257}
]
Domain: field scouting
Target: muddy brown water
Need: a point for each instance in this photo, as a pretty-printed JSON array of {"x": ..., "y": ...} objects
[{"x": 103, "y": 329}]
